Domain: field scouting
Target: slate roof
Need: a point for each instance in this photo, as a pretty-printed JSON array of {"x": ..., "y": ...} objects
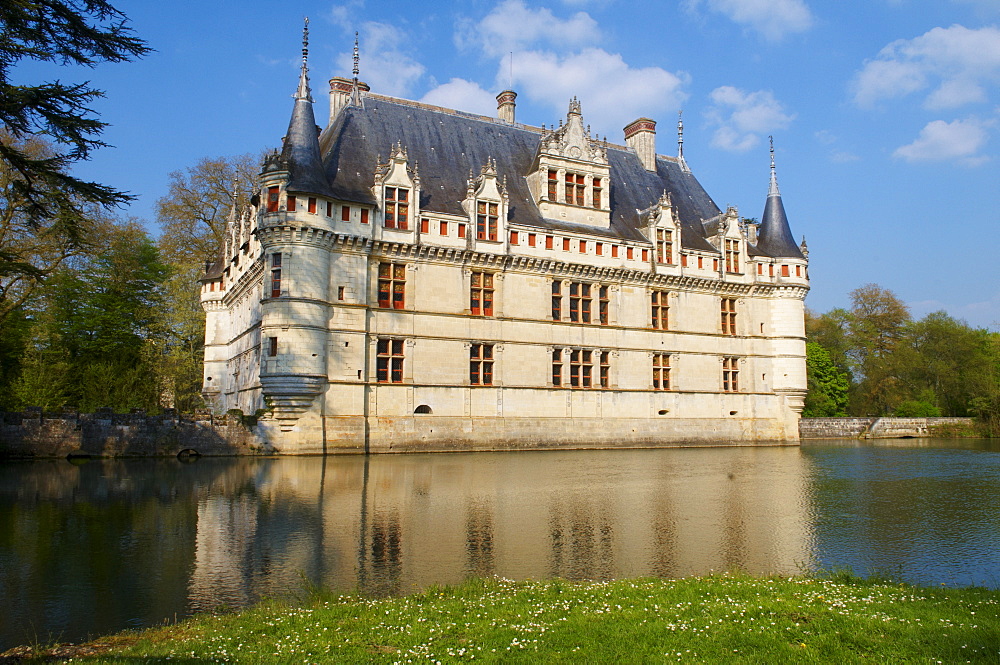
[{"x": 446, "y": 145}]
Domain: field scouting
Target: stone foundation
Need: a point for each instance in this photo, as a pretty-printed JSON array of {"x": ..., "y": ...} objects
[{"x": 873, "y": 428}]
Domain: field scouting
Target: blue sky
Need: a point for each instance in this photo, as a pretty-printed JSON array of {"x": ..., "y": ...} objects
[{"x": 884, "y": 113}]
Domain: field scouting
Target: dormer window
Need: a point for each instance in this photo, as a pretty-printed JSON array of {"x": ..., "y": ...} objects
[
  {"x": 397, "y": 208},
  {"x": 664, "y": 246},
  {"x": 732, "y": 255},
  {"x": 597, "y": 193},
  {"x": 553, "y": 184},
  {"x": 486, "y": 220},
  {"x": 576, "y": 188}
]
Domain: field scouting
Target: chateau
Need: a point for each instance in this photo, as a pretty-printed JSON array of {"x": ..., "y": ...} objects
[{"x": 414, "y": 278}]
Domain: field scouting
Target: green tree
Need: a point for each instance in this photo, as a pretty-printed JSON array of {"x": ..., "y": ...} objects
[
  {"x": 828, "y": 384},
  {"x": 877, "y": 324},
  {"x": 66, "y": 32}
]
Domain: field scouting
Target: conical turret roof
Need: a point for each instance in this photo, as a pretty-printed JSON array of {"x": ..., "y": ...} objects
[{"x": 775, "y": 236}]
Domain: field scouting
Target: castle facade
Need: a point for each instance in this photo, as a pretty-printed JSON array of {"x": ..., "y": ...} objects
[{"x": 413, "y": 278}]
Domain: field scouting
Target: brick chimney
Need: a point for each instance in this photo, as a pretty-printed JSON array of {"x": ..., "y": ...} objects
[
  {"x": 340, "y": 94},
  {"x": 640, "y": 135},
  {"x": 505, "y": 105}
]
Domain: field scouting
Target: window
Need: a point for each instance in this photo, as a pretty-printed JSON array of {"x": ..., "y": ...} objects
[
  {"x": 272, "y": 199},
  {"x": 732, "y": 256},
  {"x": 770, "y": 270},
  {"x": 580, "y": 302},
  {"x": 513, "y": 237},
  {"x": 481, "y": 364},
  {"x": 553, "y": 184},
  {"x": 575, "y": 188},
  {"x": 557, "y": 367},
  {"x": 597, "y": 192},
  {"x": 549, "y": 240},
  {"x": 784, "y": 271},
  {"x": 556, "y": 300},
  {"x": 565, "y": 244},
  {"x": 599, "y": 249},
  {"x": 684, "y": 260},
  {"x": 664, "y": 246},
  {"x": 645, "y": 255},
  {"x": 340, "y": 293},
  {"x": 532, "y": 239},
  {"x": 581, "y": 368},
  {"x": 661, "y": 371},
  {"x": 425, "y": 225},
  {"x": 614, "y": 251},
  {"x": 730, "y": 375},
  {"x": 392, "y": 285},
  {"x": 605, "y": 368},
  {"x": 312, "y": 204},
  {"x": 290, "y": 203},
  {"x": 481, "y": 298},
  {"x": 345, "y": 213},
  {"x": 486, "y": 220},
  {"x": 329, "y": 208},
  {"x": 272, "y": 346},
  {"x": 583, "y": 246},
  {"x": 389, "y": 360},
  {"x": 760, "y": 268},
  {"x": 715, "y": 265},
  {"x": 443, "y": 228},
  {"x": 364, "y": 215},
  {"x": 660, "y": 309},
  {"x": 629, "y": 253},
  {"x": 275, "y": 275},
  {"x": 798, "y": 271},
  {"x": 729, "y": 316},
  {"x": 461, "y": 230},
  {"x": 701, "y": 262},
  {"x": 603, "y": 305},
  {"x": 397, "y": 208}
]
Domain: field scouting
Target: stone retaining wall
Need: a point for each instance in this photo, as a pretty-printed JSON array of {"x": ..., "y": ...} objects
[
  {"x": 874, "y": 428},
  {"x": 33, "y": 434}
]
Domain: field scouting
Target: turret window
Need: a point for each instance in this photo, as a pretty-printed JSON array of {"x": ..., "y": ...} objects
[
  {"x": 312, "y": 205},
  {"x": 275, "y": 275},
  {"x": 397, "y": 208},
  {"x": 290, "y": 203},
  {"x": 272, "y": 199},
  {"x": 486, "y": 220}
]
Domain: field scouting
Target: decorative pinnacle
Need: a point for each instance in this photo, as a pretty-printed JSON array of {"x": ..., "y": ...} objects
[
  {"x": 305, "y": 43},
  {"x": 773, "y": 187},
  {"x": 356, "y": 58}
]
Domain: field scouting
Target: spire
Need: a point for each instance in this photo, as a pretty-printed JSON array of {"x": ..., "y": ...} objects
[
  {"x": 775, "y": 237},
  {"x": 356, "y": 86},
  {"x": 680, "y": 143},
  {"x": 301, "y": 152}
]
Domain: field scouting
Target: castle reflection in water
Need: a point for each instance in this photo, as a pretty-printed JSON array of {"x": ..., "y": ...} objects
[{"x": 393, "y": 524}]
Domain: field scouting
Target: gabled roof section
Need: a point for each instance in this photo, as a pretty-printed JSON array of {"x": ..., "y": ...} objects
[
  {"x": 774, "y": 237},
  {"x": 449, "y": 144},
  {"x": 300, "y": 152}
]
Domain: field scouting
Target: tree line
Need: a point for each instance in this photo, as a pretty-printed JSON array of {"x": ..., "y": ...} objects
[{"x": 874, "y": 359}]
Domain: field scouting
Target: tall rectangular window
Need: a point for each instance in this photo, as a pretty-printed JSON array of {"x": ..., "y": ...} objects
[
  {"x": 345, "y": 213},
  {"x": 443, "y": 228},
  {"x": 397, "y": 208},
  {"x": 581, "y": 302},
  {"x": 486, "y": 220},
  {"x": 548, "y": 242},
  {"x": 272, "y": 199},
  {"x": 732, "y": 256},
  {"x": 565, "y": 244},
  {"x": 660, "y": 309},
  {"x": 481, "y": 364},
  {"x": 290, "y": 203},
  {"x": 557, "y": 367},
  {"x": 513, "y": 237},
  {"x": 461, "y": 230},
  {"x": 661, "y": 371},
  {"x": 275, "y": 275},
  {"x": 392, "y": 285},
  {"x": 629, "y": 253},
  {"x": 664, "y": 246},
  {"x": 729, "y": 316},
  {"x": 730, "y": 374},
  {"x": 329, "y": 208},
  {"x": 605, "y": 369},
  {"x": 599, "y": 249},
  {"x": 604, "y": 302},
  {"x": 583, "y": 246},
  {"x": 556, "y": 300},
  {"x": 389, "y": 360},
  {"x": 481, "y": 296},
  {"x": 312, "y": 204},
  {"x": 684, "y": 260},
  {"x": 425, "y": 225},
  {"x": 575, "y": 188},
  {"x": 597, "y": 192},
  {"x": 272, "y": 346},
  {"x": 581, "y": 368},
  {"x": 553, "y": 185},
  {"x": 364, "y": 215},
  {"x": 532, "y": 239},
  {"x": 614, "y": 251},
  {"x": 645, "y": 255}
]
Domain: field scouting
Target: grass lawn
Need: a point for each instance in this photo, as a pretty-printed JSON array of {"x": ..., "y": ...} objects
[{"x": 715, "y": 619}]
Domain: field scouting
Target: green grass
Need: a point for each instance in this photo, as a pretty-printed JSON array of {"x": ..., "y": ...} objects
[{"x": 716, "y": 619}]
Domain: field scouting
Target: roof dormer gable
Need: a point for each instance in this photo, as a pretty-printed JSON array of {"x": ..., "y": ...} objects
[{"x": 397, "y": 190}]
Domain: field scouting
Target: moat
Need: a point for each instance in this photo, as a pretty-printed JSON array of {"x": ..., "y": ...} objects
[{"x": 104, "y": 545}]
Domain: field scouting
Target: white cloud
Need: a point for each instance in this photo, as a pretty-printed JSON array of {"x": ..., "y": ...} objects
[
  {"x": 612, "y": 93},
  {"x": 962, "y": 61},
  {"x": 960, "y": 140},
  {"x": 512, "y": 26},
  {"x": 771, "y": 18},
  {"x": 385, "y": 66},
  {"x": 742, "y": 117},
  {"x": 465, "y": 95}
]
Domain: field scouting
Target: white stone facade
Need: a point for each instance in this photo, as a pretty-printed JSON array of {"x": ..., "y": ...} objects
[{"x": 373, "y": 323}]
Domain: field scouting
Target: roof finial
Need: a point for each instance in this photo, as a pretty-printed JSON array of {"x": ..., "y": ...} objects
[
  {"x": 355, "y": 86},
  {"x": 303, "y": 91},
  {"x": 356, "y": 58},
  {"x": 305, "y": 42},
  {"x": 680, "y": 143},
  {"x": 773, "y": 188}
]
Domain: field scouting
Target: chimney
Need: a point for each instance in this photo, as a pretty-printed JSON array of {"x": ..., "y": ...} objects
[
  {"x": 640, "y": 135},
  {"x": 505, "y": 106},
  {"x": 341, "y": 90}
]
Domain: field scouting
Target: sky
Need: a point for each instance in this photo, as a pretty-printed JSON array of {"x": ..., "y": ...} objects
[{"x": 885, "y": 114}]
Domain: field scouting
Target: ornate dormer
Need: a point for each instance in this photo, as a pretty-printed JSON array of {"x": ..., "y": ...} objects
[
  {"x": 397, "y": 191},
  {"x": 486, "y": 203},
  {"x": 570, "y": 179},
  {"x": 663, "y": 230},
  {"x": 731, "y": 240}
]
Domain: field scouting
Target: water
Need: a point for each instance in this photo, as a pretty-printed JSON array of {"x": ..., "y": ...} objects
[{"x": 105, "y": 545}]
